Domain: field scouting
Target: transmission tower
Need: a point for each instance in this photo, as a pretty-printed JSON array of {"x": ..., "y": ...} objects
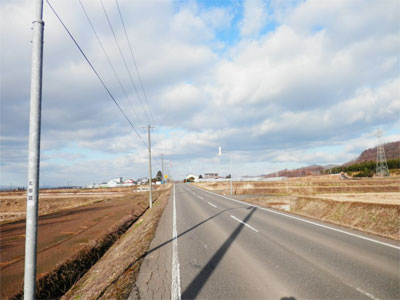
[{"x": 381, "y": 164}]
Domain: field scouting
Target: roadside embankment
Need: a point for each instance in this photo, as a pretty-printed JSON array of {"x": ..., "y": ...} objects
[
  {"x": 371, "y": 206},
  {"x": 307, "y": 186},
  {"x": 375, "y": 218},
  {"x": 113, "y": 276}
]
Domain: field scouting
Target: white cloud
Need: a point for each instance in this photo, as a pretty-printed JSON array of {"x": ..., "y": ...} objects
[
  {"x": 254, "y": 19},
  {"x": 294, "y": 76}
]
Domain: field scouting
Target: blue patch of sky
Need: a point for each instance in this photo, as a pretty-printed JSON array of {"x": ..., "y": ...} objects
[{"x": 317, "y": 28}]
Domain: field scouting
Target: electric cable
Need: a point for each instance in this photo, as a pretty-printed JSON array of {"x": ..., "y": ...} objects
[
  {"x": 94, "y": 70},
  {"x": 124, "y": 60},
  {"x": 108, "y": 59},
  {"x": 134, "y": 60}
]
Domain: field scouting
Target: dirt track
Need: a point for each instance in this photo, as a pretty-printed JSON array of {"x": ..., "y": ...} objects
[{"x": 59, "y": 236}]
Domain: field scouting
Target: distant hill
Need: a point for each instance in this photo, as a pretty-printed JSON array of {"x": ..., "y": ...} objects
[
  {"x": 305, "y": 171},
  {"x": 392, "y": 151}
]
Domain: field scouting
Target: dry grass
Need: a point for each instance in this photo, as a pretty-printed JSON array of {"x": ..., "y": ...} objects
[
  {"x": 113, "y": 276},
  {"x": 13, "y": 204},
  {"x": 383, "y": 198},
  {"x": 369, "y": 205},
  {"x": 307, "y": 186}
]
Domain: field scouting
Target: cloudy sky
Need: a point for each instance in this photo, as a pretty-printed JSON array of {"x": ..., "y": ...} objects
[{"x": 276, "y": 83}]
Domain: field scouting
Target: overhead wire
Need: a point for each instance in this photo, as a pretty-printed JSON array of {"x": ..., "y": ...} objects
[
  {"x": 124, "y": 61},
  {"x": 94, "y": 70},
  {"x": 134, "y": 60},
  {"x": 108, "y": 60}
]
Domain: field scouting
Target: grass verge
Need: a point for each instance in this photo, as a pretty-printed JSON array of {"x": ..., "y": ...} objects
[
  {"x": 375, "y": 218},
  {"x": 114, "y": 275}
]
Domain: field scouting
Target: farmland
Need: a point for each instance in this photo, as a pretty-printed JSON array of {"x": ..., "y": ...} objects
[
  {"x": 70, "y": 220},
  {"x": 370, "y": 205}
]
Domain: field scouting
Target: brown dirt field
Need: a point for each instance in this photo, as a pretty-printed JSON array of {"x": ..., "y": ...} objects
[
  {"x": 13, "y": 204},
  {"x": 62, "y": 234}
]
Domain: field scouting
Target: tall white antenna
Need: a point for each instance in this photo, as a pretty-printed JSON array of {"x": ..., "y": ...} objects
[{"x": 381, "y": 164}]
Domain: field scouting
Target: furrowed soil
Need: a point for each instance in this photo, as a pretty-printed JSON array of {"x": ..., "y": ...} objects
[
  {"x": 369, "y": 205},
  {"x": 64, "y": 233}
]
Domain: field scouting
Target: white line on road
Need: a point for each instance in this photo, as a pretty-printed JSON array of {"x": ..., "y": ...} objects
[
  {"x": 176, "y": 280},
  {"x": 212, "y": 204},
  {"x": 244, "y": 223},
  {"x": 303, "y": 220}
]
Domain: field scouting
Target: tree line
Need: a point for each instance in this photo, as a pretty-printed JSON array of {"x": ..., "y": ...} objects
[{"x": 364, "y": 169}]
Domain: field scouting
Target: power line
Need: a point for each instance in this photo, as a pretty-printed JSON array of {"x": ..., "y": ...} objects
[
  {"x": 94, "y": 70},
  {"x": 108, "y": 59},
  {"x": 134, "y": 60},
  {"x": 124, "y": 60}
]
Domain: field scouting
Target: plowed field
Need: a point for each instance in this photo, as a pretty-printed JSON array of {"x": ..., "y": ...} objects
[{"x": 60, "y": 235}]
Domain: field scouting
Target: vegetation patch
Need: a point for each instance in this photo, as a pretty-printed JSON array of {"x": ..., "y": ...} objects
[{"x": 369, "y": 205}]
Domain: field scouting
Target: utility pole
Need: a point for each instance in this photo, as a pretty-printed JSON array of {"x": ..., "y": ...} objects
[
  {"x": 162, "y": 167},
  {"x": 32, "y": 198},
  {"x": 230, "y": 174},
  {"x": 150, "y": 177}
]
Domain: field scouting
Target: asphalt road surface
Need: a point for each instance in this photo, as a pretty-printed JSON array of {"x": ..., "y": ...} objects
[{"x": 210, "y": 247}]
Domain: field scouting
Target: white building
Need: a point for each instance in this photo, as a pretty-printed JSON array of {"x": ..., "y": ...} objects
[
  {"x": 211, "y": 176},
  {"x": 129, "y": 182},
  {"x": 115, "y": 182},
  {"x": 192, "y": 177}
]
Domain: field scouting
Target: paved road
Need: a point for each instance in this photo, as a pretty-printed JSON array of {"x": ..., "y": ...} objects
[{"x": 232, "y": 250}]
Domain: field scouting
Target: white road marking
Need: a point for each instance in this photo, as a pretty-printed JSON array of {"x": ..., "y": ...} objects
[
  {"x": 176, "y": 280},
  {"x": 240, "y": 221},
  {"x": 367, "y": 294},
  {"x": 212, "y": 204},
  {"x": 303, "y": 220}
]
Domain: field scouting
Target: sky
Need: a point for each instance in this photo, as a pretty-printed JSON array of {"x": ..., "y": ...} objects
[{"x": 275, "y": 83}]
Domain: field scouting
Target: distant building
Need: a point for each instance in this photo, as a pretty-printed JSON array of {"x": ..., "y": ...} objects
[
  {"x": 115, "y": 182},
  {"x": 210, "y": 175},
  {"x": 192, "y": 177},
  {"x": 129, "y": 182},
  {"x": 143, "y": 181}
]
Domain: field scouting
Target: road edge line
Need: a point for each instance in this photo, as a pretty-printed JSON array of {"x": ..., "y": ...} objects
[
  {"x": 175, "y": 282},
  {"x": 303, "y": 220}
]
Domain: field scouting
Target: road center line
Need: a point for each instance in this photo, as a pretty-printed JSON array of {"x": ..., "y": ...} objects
[
  {"x": 240, "y": 221},
  {"x": 303, "y": 220},
  {"x": 212, "y": 204},
  {"x": 176, "y": 281}
]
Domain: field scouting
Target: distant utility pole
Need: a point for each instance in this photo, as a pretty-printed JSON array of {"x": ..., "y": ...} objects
[
  {"x": 162, "y": 167},
  {"x": 32, "y": 197},
  {"x": 381, "y": 164},
  {"x": 230, "y": 168},
  {"x": 150, "y": 179}
]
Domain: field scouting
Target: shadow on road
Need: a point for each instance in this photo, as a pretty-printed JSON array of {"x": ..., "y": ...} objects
[
  {"x": 192, "y": 228},
  {"x": 194, "y": 288}
]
